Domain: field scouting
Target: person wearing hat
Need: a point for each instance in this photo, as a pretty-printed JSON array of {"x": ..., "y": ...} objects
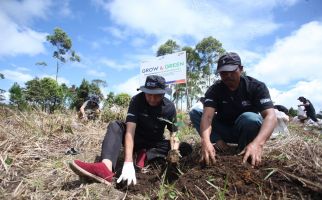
[
  {"x": 237, "y": 109},
  {"x": 308, "y": 107},
  {"x": 90, "y": 108},
  {"x": 148, "y": 114}
]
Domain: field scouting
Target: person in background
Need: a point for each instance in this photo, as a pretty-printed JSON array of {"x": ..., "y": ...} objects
[
  {"x": 142, "y": 133},
  {"x": 231, "y": 113},
  {"x": 90, "y": 108},
  {"x": 308, "y": 107},
  {"x": 195, "y": 113}
]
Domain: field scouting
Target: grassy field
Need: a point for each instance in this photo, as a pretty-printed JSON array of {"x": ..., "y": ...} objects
[{"x": 34, "y": 164}]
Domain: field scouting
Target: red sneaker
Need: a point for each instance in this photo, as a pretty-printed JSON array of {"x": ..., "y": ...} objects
[
  {"x": 95, "y": 171},
  {"x": 140, "y": 158}
]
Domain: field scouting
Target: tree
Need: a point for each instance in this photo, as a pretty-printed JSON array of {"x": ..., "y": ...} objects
[
  {"x": 84, "y": 91},
  {"x": 194, "y": 83},
  {"x": 44, "y": 93},
  {"x": 168, "y": 47},
  {"x": 99, "y": 82},
  {"x": 1, "y": 90},
  {"x": 16, "y": 97},
  {"x": 122, "y": 100},
  {"x": 109, "y": 99},
  {"x": 292, "y": 112},
  {"x": 63, "y": 44},
  {"x": 209, "y": 50}
]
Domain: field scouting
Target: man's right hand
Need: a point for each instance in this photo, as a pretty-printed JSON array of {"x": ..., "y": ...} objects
[
  {"x": 128, "y": 174},
  {"x": 208, "y": 153}
]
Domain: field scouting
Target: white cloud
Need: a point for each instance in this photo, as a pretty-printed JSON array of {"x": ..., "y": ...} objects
[
  {"x": 16, "y": 76},
  {"x": 311, "y": 90},
  {"x": 65, "y": 9},
  {"x": 198, "y": 19},
  {"x": 113, "y": 64},
  {"x": 128, "y": 87},
  {"x": 138, "y": 42},
  {"x": 96, "y": 73},
  {"x": 15, "y": 36},
  {"x": 296, "y": 57},
  {"x": 23, "y": 69},
  {"x": 24, "y": 11},
  {"x": 116, "y": 32}
]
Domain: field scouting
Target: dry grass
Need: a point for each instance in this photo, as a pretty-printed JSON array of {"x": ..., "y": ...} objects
[
  {"x": 33, "y": 161},
  {"x": 33, "y": 164}
]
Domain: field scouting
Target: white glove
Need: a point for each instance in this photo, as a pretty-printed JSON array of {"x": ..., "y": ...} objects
[{"x": 128, "y": 173}]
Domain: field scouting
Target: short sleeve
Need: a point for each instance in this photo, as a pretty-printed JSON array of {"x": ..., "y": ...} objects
[
  {"x": 262, "y": 97},
  {"x": 132, "y": 113},
  {"x": 210, "y": 98}
]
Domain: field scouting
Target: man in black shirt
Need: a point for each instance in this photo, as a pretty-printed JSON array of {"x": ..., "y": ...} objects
[
  {"x": 231, "y": 113},
  {"x": 308, "y": 107},
  {"x": 148, "y": 114}
]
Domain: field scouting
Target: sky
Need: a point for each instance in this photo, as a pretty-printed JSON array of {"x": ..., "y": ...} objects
[{"x": 279, "y": 41}]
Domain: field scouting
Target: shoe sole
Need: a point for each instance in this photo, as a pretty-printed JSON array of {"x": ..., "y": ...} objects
[{"x": 81, "y": 172}]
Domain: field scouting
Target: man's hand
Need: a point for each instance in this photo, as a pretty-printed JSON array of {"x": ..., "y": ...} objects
[
  {"x": 252, "y": 151},
  {"x": 128, "y": 173},
  {"x": 208, "y": 153}
]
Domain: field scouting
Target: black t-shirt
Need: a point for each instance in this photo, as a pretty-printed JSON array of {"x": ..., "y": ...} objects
[
  {"x": 91, "y": 105},
  {"x": 151, "y": 120},
  {"x": 309, "y": 108},
  {"x": 250, "y": 96}
]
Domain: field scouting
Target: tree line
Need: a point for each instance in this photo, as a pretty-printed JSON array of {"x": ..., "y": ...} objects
[
  {"x": 201, "y": 65},
  {"x": 47, "y": 94}
]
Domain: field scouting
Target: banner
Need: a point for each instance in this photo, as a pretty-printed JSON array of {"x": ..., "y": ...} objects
[{"x": 172, "y": 67}]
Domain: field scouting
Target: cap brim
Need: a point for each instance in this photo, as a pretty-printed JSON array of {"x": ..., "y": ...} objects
[
  {"x": 152, "y": 91},
  {"x": 227, "y": 68}
]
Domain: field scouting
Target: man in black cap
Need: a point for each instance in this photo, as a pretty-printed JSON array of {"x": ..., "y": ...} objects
[
  {"x": 148, "y": 114},
  {"x": 231, "y": 113},
  {"x": 308, "y": 107},
  {"x": 90, "y": 108}
]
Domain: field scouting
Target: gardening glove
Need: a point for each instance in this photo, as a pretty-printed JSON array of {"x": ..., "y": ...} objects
[{"x": 128, "y": 173}]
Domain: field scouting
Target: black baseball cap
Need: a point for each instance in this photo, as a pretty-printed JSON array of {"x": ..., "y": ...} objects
[
  {"x": 228, "y": 62},
  {"x": 154, "y": 84}
]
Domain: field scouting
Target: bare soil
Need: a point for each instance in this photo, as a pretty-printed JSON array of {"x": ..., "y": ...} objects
[
  {"x": 34, "y": 165},
  {"x": 227, "y": 179}
]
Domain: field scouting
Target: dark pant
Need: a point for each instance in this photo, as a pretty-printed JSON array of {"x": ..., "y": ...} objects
[
  {"x": 114, "y": 138},
  {"x": 242, "y": 132},
  {"x": 312, "y": 116}
]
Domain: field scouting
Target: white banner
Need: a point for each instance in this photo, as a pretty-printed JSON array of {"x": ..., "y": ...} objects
[{"x": 172, "y": 67}]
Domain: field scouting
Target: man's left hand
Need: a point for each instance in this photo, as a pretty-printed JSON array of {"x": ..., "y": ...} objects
[{"x": 252, "y": 151}]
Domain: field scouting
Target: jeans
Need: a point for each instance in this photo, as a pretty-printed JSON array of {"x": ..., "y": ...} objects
[
  {"x": 114, "y": 139},
  {"x": 242, "y": 132}
]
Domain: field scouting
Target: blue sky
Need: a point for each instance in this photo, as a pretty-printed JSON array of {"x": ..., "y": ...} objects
[{"x": 279, "y": 41}]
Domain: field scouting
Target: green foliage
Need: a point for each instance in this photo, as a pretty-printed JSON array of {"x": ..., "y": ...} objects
[
  {"x": 42, "y": 63},
  {"x": 201, "y": 62},
  {"x": 122, "y": 100},
  {"x": 209, "y": 50},
  {"x": 63, "y": 44},
  {"x": 168, "y": 47},
  {"x": 44, "y": 93},
  {"x": 17, "y": 97},
  {"x": 84, "y": 91},
  {"x": 109, "y": 100},
  {"x": 8, "y": 160},
  {"x": 1, "y": 90},
  {"x": 99, "y": 82},
  {"x": 292, "y": 112},
  {"x": 109, "y": 114}
]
